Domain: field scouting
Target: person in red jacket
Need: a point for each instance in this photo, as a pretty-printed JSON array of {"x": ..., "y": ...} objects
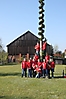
[
  {"x": 37, "y": 48},
  {"x": 39, "y": 63},
  {"x": 29, "y": 66},
  {"x": 24, "y": 67},
  {"x": 44, "y": 67},
  {"x": 39, "y": 69},
  {"x": 31, "y": 62},
  {"x": 52, "y": 63},
  {"x": 48, "y": 68},
  {"x": 47, "y": 58},
  {"x": 34, "y": 63},
  {"x": 36, "y": 57},
  {"x": 44, "y": 47}
]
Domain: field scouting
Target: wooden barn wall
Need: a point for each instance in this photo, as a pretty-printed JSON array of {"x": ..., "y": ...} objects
[
  {"x": 48, "y": 49},
  {"x": 23, "y": 45}
]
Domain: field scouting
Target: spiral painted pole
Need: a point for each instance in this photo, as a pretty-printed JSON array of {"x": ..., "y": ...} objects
[{"x": 41, "y": 25}]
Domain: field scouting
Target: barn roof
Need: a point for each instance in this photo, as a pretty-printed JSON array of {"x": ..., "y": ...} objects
[{"x": 21, "y": 36}]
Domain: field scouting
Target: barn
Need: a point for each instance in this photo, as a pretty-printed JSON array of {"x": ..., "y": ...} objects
[{"x": 24, "y": 44}]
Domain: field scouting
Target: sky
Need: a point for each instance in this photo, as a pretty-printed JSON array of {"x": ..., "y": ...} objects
[{"x": 19, "y": 16}]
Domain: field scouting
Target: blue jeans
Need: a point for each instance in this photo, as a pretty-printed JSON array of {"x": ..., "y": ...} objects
[
  {"x": 46, "y": 72},
  {"x": 29, "y": 73},
  {"x": 24, "y": 70}
]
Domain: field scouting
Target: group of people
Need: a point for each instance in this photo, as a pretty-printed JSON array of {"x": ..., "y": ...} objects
[
  {"x": 44, "y": 46},
  {"x": 33, "y": 68},
  {"x": 37, "y": 68}
]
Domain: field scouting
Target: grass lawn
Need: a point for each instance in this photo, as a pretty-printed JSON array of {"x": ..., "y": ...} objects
[{"x": 12, "y": 86}]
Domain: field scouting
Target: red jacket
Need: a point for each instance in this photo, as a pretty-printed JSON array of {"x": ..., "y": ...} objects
[
  {"x": 37, "y": 47},
  {"x": 44, "y": 65},
  {"x": 38, "y": 69},
  {"x": 29, "y": 65},
  {"x": 34, "y": 65},
  {"x": 44, "y": 46},
  {"x": 39, "y": 64},
  {"x": 24, "y": 64},
  {"x": 52, "y": 64},
  {"x": 47, "y": 58},
  {"x": 36, "y": 57}
]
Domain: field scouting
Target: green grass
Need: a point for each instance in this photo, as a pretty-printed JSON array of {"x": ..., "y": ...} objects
[{"x": 12, "y": 86}]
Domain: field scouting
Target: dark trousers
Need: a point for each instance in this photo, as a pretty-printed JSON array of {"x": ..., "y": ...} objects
[
  {"x": 34, "y": 73},
  {"x": 52, "y": 72},
  {"x": 44, "y": 72},
  {"x": 48, "y": 73}
]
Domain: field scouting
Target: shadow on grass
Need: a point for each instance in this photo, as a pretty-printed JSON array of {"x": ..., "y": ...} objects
[
  {"x": 14, "y": 97},
  {"x": 19, "y": 74},
  {"x": 10, "y": 64},
  {"x": 10, "y": 74},
  {"x": 58, "y": 77},
  {"x": 2, "y": 97}
]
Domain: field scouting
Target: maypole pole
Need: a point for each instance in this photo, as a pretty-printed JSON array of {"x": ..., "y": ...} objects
[{"x": 41, "y": 25}]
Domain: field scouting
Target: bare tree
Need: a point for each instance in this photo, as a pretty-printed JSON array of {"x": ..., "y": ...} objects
[
  {"x": 3, "y": 54},
  {"x": 1, "y": 45},
  {"x": 55, "y": 48}
]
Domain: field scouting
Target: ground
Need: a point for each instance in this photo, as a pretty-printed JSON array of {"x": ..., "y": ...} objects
[{"x": 12, "y": 86}]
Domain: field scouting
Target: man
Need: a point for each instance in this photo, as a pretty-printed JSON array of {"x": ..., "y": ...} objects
[
  {"x": 24, "y": 67},
  {"x": 37, "y": 48},
  {"x": 39, "y": 68},
  {"x": 44, "y": 47},
  {"x": 44, "y": 67},
  {"x": 47, "y": 58},
  {"x": 52, "y": 63},
  {"x": 29, "y": 66},
  {"x": 34, "y": 63}
]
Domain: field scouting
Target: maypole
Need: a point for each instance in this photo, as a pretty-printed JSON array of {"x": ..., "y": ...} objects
[{"x": 41, "y": 25}]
